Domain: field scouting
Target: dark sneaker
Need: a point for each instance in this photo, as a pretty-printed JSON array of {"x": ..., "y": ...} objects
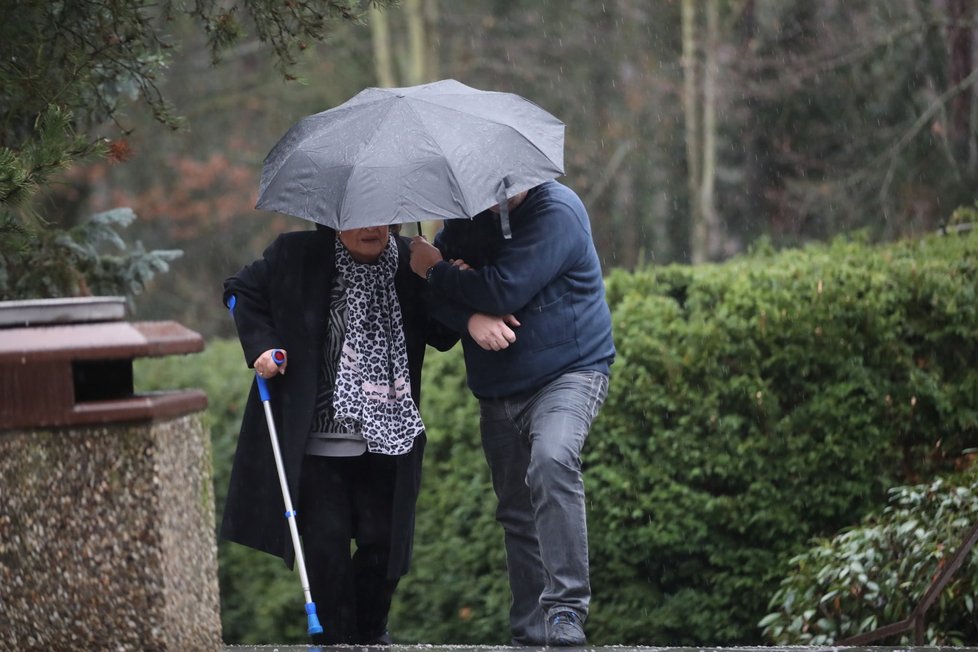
[{"x": 564, "y": 629}]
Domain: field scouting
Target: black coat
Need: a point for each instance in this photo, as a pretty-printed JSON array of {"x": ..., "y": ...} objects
[{"x": 282, "y": 301}]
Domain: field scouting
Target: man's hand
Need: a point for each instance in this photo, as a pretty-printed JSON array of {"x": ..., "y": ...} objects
[
  {"x": 423, "y": 255},
  {"x": 492, "y": 332}
]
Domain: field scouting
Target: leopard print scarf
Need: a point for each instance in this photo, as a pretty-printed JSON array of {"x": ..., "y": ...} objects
[{"x": 373, "y": 387}]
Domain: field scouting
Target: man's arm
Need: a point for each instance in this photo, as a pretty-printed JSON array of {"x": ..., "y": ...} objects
[
  {"x": 491, "y": 332},
  {"x": 542, "y": 249}
]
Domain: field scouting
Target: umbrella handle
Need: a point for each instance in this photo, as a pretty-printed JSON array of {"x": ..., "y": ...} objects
[{"x": 503, "y": 201}]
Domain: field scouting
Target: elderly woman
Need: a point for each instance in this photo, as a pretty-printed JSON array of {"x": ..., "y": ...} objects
[{"x": 353, "y": 323}]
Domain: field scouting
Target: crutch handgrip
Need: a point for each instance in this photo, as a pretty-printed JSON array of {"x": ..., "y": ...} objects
[{"x": 278, "y": 357}]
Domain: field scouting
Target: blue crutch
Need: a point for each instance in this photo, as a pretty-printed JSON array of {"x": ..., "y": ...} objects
[{"x": 290, "y": 514}]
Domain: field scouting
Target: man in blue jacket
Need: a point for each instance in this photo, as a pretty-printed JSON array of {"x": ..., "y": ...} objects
[{"x": 541, "y": 376}]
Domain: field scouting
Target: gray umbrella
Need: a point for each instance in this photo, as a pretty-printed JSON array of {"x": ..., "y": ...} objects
[{"x": 393, "y": 155}]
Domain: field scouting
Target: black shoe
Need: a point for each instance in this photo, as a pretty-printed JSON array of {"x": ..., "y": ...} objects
[{"x": 565, "y": 629}]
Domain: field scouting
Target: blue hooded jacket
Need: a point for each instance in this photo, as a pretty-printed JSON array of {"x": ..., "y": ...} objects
[{"x": 548, "y": 276}]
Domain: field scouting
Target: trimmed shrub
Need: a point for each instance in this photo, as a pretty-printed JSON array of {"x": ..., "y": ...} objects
[
  {"x": 877, "y": 573},
  {"x": 759, "y": 403},
  {"x": 754, "y": 404},
  {"x": 456, "y": 591}
]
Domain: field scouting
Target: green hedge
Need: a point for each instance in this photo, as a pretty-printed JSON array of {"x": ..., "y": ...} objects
[
  {"x": 877, "y": 573},
  {"x": 754, "y": 405},
  {"x": 456, "y": 591}
]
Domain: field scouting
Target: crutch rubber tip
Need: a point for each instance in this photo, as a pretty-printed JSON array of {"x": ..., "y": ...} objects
[{"x": 314, "y": 626}]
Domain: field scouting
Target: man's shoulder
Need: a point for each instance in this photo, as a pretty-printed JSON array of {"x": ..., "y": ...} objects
[
  {"x": 555, "y": 196},
  {"x": 555, "y": 190},
  {"x": 555, "y": 208}
]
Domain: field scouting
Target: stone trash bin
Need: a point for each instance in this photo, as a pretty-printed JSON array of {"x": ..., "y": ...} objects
[{"x": 106, "y": 509}]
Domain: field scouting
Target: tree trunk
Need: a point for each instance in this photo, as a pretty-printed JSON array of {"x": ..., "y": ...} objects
[
  {"x": 417, "y": 59},
  {"x": 755, "y": 157},
  {"x": 380, "y": 38},
  {"x": 692, "y": 130},
  {"x": 432, "y": 67},
  {"x": 711, "y": 237},
  {"x": 414, "y": 13},
  {"x": 961, "y": 15}
]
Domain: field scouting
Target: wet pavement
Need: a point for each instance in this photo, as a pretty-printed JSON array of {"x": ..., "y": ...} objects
[{"x": 603, "y": 648}]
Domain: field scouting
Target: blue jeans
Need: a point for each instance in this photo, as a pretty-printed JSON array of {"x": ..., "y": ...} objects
[{"x": 533, "y": 446}]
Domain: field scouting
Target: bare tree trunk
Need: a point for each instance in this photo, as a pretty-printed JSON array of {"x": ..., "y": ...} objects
[
  {"x": 417, "y": 49},
  {"x": 623, "y": 207},
  {"x": 698, "y": 248},
  {"x": 416, "y": 54},
  {"x": 663, "y": 246},
  {"x": 755, "y": 154},
  {"x": 432, "y": 66},
  {"x": 711, "y": 236},
  {"x": 961, "y": 14},
  {"x": 973, "y": 130},
  {"x": 380, "y": 38}
]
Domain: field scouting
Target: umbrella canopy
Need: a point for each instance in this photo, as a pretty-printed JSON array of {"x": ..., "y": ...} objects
[{"x": 392, "y": 155}]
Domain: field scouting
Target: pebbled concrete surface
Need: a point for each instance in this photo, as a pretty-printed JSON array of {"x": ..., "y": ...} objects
[{"x": 603, "y": 648}]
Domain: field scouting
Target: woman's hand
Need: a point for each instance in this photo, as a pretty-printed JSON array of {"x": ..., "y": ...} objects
[
  {"x": 423, "y": 255},
  {"x": 265, "y": 364},
  {"x": 492, "y": 332}
]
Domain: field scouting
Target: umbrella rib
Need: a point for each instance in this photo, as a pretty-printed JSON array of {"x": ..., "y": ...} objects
[
  {"x": 450, "y": 169},
  {"x": 356, "y": 161},
  {"x": 487, "y": 118},
  {"x": 529, "y": 140},
  {"x": 337, "y": 110}
]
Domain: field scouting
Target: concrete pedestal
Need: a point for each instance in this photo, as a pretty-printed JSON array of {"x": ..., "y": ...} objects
[
  {"x": 106, "y": 510},
  {"x": 107, "y": 538}
]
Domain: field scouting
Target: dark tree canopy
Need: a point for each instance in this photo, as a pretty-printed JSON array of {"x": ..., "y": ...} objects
[{"x": 69, "y": 69}]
